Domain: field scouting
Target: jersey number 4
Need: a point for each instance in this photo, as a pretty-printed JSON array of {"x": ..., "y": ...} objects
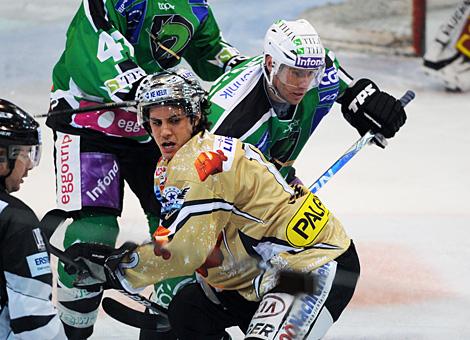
[{"x": 111, "y": 46}]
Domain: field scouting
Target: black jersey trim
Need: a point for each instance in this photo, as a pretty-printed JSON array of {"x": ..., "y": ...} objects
[
  {"x": 202, "y": 207},
  {"x": 246, "y": 114},
  {"x": 249, "y": 243},
  {"x": 30, "y": 323},
  {"x": 323, "y": 246},
  {"x": 97, "y": 14}
]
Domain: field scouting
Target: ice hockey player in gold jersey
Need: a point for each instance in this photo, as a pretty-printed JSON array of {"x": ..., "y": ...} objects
[{"x": 228, "y": 214}]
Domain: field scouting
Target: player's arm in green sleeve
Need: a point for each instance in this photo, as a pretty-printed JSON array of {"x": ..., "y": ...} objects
[
  {"x": 208, "y": 54},
  {"x": 99, "y": 59},
  {"x": 344, "y": 78}
]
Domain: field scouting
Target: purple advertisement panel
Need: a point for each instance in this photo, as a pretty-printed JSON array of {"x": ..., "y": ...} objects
[{"x": 100, "y": 180}]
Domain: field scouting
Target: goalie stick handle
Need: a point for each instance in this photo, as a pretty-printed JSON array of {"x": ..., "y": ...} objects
[
  {"x": 355, "y": 148},
  {"x": 105, "y": 106}
]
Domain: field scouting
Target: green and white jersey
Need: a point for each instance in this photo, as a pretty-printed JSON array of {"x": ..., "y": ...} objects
[
  {"x": 111, "y": 44},
  {"x": 241, "y": 108}
]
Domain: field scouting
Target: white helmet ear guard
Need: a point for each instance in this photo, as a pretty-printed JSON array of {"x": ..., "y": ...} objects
[{"x": 294, "y": 44}]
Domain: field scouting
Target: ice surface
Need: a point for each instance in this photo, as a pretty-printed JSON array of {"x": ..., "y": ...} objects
[{"x": 405, "y": 207}]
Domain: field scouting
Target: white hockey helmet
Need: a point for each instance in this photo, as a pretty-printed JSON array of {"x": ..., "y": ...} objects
[
  {"x": 178, "y": 87},
  {"x": 294, "y": 45}
]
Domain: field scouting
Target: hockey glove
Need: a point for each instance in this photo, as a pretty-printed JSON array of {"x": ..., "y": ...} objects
[
  {"x": 97, "y": 265},
  {"x": 275, "y": 278},
  {"x": 367, "y": 108}
]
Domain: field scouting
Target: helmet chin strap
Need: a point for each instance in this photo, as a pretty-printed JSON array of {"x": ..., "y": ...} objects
[{"x": 275, "y": 95}]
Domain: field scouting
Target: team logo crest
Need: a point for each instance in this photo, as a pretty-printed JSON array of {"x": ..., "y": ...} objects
[{"x": 173, "y": 199}]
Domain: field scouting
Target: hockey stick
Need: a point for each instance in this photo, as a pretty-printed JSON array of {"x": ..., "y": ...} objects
[
  {"x": 133, "y": 317},
  {"x": 289, "y": 282},
  {"x": 159, "y": 321},
  {"x": 48, "y": 225},
  {"x": 368, "y": 138},
  {"x": 104, "y": 106}
]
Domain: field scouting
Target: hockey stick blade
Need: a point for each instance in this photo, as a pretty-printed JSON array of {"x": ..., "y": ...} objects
[
  {"x": 134, "y": 318},
  {"x": 289, "y": 282},
  {"x": 51, "y": 221},
  {"x": 48, "y": 225}
]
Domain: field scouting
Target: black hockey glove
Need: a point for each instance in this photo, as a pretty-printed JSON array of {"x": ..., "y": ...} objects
[
  {"x": 96, "y": 265},
  {"x": 367, "y": 108}
]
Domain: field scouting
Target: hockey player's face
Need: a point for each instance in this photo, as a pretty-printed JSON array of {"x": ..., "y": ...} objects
[
  {"x": 292, "y": 84},
  {"x": 20, "y": 171},
  {"x": 171, "y": 128}
]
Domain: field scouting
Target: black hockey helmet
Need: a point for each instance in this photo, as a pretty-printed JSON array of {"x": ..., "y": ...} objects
[{"x": 19, "y": 134}]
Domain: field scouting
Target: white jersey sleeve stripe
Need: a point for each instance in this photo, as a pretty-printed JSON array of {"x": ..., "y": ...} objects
[{"x": 27, "y": 297}]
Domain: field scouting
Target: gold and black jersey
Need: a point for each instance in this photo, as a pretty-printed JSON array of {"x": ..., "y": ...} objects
[{"x": 225, "y": 208}]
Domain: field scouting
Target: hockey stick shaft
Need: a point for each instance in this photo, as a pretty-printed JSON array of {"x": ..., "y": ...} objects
[
  {"x": 48, "y": 225},
  {"x": 355, "y": 148},
  {"x": 105, "y": 106},
  {"x": 133, "y": 317},
  {"x": 290, "y": 282}
]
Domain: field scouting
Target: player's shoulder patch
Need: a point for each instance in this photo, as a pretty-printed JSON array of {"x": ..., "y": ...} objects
[
  {"x": 307, "y": 223},
  {"x": 173, "y": 199},
  {"x": 217, "y": 160},
  {"x": 227, "y": 145},
  {"x": 39, "y": 264}
]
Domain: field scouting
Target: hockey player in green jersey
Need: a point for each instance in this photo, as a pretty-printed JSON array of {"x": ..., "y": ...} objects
[
  {"x": 275, "y": 101},
  {"x": 111, "y": 46}
]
